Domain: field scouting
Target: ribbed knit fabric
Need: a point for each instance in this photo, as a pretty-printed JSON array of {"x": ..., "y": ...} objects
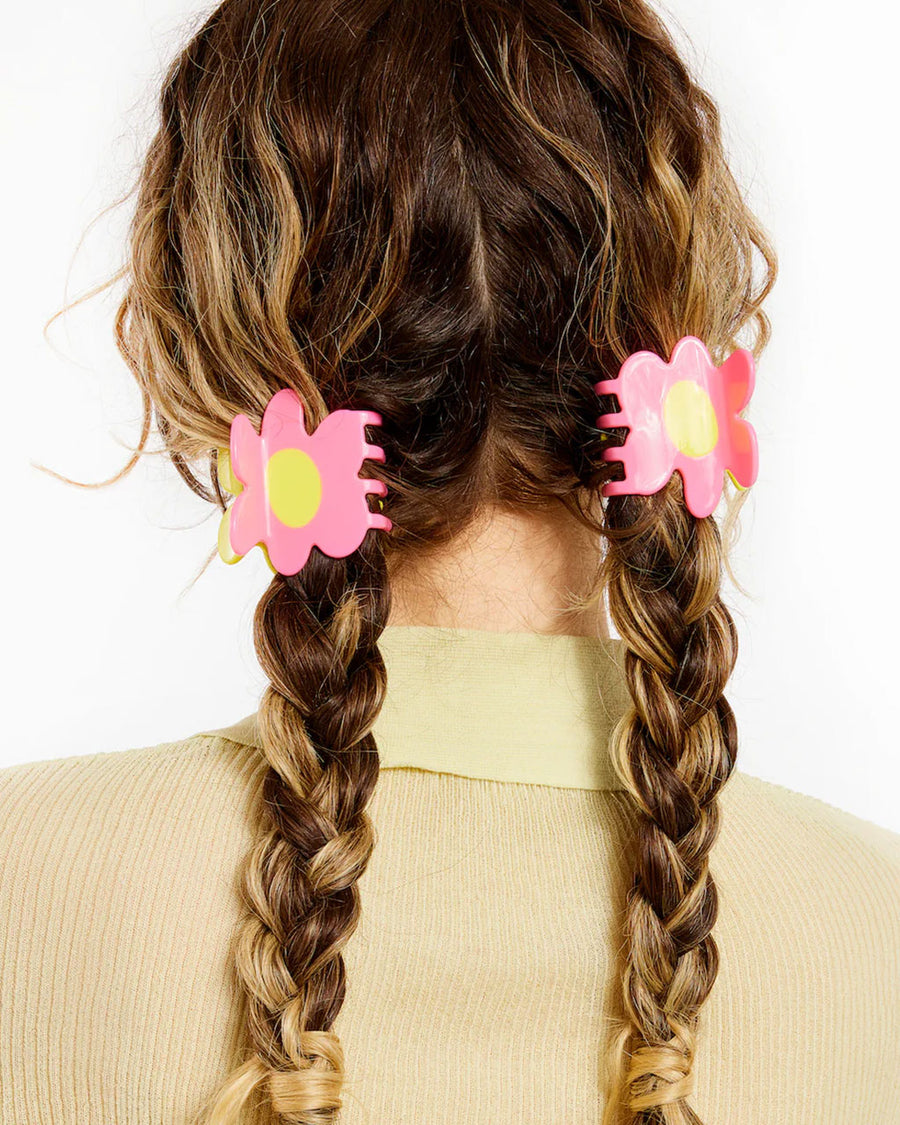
[{"x": 483, "y": 975}]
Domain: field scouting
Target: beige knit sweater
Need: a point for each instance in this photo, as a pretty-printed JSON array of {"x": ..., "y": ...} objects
[{"x": 481, "y": 977}]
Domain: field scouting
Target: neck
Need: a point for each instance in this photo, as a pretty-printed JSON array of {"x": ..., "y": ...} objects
[{"x": 520, "y": 571}]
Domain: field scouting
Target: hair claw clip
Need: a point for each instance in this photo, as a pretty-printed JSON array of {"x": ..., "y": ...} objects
[
  {"x": 295, "y": 490},
  {"x": 682, "y": 415}
]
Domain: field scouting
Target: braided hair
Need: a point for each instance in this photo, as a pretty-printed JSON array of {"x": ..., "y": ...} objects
[
  {"x": 674, "y": 750},
  {"x": 460, "y": 215}
]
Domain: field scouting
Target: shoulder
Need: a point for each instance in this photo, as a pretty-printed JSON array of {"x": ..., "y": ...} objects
[
  {"x": 787, "y": 818},
  {"x": 810, "y": 923},
  {"x": 70, "y": 822},
  {"x": 799, "y": 869},
  {"x": 219, "y": 757},
  {"x": 119, "y": 892}
]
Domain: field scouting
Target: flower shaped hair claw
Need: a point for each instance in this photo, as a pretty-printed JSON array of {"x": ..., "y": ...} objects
[
  {"x": 294, "y": 490},
  {"x": 682, "y": 415}
]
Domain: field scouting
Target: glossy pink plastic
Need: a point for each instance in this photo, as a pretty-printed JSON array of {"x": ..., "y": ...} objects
[
  {"x": 295, "y": 490},
  {"x": 682, "y": 415}
]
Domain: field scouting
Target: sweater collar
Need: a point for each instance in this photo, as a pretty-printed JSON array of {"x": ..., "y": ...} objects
[{"x": 533, "y": 708}]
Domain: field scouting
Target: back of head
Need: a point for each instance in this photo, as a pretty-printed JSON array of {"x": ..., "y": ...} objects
[{"x": 462, "y": 216}]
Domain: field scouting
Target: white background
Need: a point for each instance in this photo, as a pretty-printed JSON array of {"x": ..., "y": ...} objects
[{"x": 107, "y": 644}]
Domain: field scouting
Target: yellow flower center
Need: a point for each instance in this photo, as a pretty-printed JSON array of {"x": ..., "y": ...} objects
[
  {"x": 690, "y": 418},
  {"x": 294, "y": 486}
]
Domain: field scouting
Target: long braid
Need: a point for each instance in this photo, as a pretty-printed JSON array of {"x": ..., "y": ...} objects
[
  {"x": 674, "y": 750},
  {"x": 316, "y": 637},
  {"x": 548, "y": 193}
]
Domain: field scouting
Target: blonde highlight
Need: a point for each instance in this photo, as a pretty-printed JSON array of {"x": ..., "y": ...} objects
[{"x": 461, "y": 217}]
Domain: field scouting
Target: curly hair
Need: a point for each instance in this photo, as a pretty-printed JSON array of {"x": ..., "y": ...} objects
[{"x": 460, "y": 215}]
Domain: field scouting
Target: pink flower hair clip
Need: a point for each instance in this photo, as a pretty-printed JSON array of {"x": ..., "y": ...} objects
[
  {"x": 295, "y": 490},
  {"x": 682, "y": 415}
]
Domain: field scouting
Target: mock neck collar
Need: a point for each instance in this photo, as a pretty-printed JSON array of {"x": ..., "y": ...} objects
[{"x": 532, "y": 708}]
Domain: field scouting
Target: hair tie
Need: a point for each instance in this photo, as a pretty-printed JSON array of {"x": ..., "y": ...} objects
[
  {"x": 682, "y": 415},
  {"x": 295, "y": 490}
]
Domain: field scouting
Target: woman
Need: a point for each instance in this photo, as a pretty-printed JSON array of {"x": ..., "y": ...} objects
[{"x": 459, "y": 865}]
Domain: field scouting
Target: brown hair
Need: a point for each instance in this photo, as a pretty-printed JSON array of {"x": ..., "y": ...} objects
[{"x": 460, "y": 215}]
